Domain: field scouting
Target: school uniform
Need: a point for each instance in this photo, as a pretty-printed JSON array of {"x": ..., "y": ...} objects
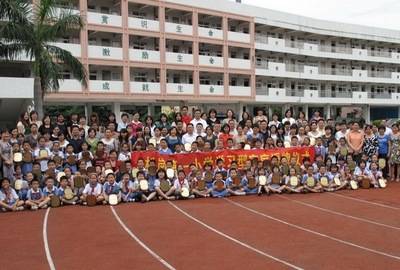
[
  {"x": 48, "y": 192},
  {"x": 209, "y": 185},
  {"x": 23, "y": 192},
  {"x": 269, "y": 182},
  {"x": 359, "y": 172},
  {"x": 219, "y": 193},
  {"x": 57, "y": 154},
  {"x": 10, "y": 197},
  {"x": 128, "y": 195},
  {"x": 27, "y": 166},
  {"x": 111, "y": 189},
  {"x": 89, "y": 162},
  {"x": 157, "y": 183},
  {"x": 73, "y": 167},
  {"x": 305, "y": 177},
  {"x": 247, "y": 189},
  {"x": 178, "y": 186},
  {"x": 319, "y": 176},
  {"x": 92, "y": 190},
  {"x": 43, "y": 162},
  {"x": 222, "y": 170},
  {"x": 34, "y": 195}
]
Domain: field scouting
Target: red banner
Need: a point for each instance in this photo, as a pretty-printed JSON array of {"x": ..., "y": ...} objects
[{"x": 241, "y": 156}]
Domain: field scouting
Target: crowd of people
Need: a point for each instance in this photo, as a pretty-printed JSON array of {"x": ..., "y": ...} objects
[{"x": 53, "y": 162}]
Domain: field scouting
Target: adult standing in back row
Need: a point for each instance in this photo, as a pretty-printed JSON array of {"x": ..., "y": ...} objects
[{"x": 355, "y": 140}]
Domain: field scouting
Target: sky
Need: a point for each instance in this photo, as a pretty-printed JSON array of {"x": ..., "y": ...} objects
[{"x": 378, "y": 13}]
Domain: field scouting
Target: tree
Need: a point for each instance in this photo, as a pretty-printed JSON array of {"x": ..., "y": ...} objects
[{"x": 30, "y": 30}]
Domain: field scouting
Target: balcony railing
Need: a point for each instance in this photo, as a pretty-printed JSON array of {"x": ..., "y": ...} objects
[
  {"x": 335, "y": 71},
  {"x": 380, "y": 95},
  {"x": 379, "y": 53},
  {"x": 294, "y": 44},
  {"x": 346, "y": 94},
  {"x": 294, "y": 92},
  {"x": 380, "y": 74}
]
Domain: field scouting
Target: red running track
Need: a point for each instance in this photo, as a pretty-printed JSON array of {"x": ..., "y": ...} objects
[{"x": 242, "y": 233}]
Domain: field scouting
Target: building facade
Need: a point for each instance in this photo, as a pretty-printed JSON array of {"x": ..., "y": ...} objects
[{"x": 145, "y": 54}]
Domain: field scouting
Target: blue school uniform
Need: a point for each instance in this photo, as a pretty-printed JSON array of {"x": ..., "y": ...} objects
[
  {"x": 319, "y": 176},
  {"x": 219, "y": 193},
  {"x": 11, "y": 198},
  {"x": 34, "y": 195},
  {"x": 26, "y": 167},
  {"x": 108, "y": 189},
  {"x": 23, "y": 192},
  {"x": 48, "y": 192},
  {"x": 304, "y": 179},
  {"x": 245, "y": 184}
]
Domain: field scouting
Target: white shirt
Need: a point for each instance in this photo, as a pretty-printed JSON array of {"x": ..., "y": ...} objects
[
  {"x": 124, "y": 156},
  {"x": 388, "y": 131},
  {"x": 291, "y": 120},
  {"x": 201, "y": 121},
  {"x": 13, "y": 194},
  {"x": 187, "y": 138},
  {"x": 340, "y": 135},
  {"x": 43, "y": 162},
  {"x": 178, "y": 186},
  {"x": 97, "y": 190}
]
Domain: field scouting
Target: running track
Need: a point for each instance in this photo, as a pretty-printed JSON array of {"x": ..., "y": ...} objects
[{"x": 349, "y": 229}]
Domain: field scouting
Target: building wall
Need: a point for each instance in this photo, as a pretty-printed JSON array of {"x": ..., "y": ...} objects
[{"x": 142, "y": 51}]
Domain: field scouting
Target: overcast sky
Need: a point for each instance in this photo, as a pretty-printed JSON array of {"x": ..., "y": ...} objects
[{"x": 378, "y": 13}]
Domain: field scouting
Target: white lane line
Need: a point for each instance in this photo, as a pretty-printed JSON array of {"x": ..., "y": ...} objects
[
  {"x": 234, "y": 239},
  {"x": 341, "y": 214},
  {"x": 314, "y": 232},
  {"x": 365, "y": 201},
  {"x": 46, "y": 243},
  {"x": 131, "y": 234}
]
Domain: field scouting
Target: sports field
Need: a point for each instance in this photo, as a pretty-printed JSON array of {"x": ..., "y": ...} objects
[{"x": 343, "y": 230}]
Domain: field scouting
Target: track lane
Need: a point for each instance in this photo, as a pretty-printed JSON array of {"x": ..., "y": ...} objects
[
  {"x": 91, "y": 238},
  {"x": 22, "y": 241},
  {"x": 184, "y": 243},
  {"x": 298, "y": 247}
]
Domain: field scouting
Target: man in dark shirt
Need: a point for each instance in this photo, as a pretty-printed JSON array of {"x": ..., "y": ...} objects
[{"x": 76, "y": 140}]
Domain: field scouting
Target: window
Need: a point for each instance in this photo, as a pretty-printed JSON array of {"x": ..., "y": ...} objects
[{"x": 106, "y": 75}]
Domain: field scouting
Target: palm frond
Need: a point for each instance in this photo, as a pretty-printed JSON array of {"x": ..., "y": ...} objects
[
  {"x": 15, "y": 10},
  {"x": 48, "y": 70},
  {"x": 68, "y": 61},
  {"x": 11, "y": 51},
  {"x": 65, "y": 23},
  {"x": 44, "y": 11}
]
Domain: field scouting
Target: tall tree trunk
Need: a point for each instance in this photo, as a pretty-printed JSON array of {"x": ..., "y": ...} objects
[{"x": 38, "y": 97}]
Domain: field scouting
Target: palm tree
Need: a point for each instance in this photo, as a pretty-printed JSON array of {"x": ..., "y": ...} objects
[{"x": 30, "y": 30}]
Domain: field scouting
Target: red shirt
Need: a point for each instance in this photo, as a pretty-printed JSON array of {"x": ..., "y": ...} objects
[
  {"x": 135, "y": 126},
  {"x": 186, "y": 119},
  {"x": 224, "y": 137}
]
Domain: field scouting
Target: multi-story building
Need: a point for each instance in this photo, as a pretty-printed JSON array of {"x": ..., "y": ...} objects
[{"x": 144, "y": 54}]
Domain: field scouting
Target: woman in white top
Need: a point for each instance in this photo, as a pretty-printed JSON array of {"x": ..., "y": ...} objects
[
  {"x": 288, "y": 118},
  {"x": 230, "y": 115},
  {"x": 23, "y": 123},
  {"x": 34, "y": 119},
  {"x": 275, "y": 120},
  {"x": 110, "y": 143},
  {"x": 260, "y": 116}
]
